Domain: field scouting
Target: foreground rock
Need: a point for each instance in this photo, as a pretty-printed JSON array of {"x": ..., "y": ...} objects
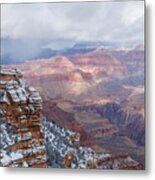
[{"x": 20, "y": 110}]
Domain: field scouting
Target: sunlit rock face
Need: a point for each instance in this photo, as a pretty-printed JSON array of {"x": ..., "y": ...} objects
[{"x": 20, "y": 111}]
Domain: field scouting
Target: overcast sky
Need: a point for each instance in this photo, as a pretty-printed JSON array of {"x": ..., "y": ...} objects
[{"x": 75, "y": 21}]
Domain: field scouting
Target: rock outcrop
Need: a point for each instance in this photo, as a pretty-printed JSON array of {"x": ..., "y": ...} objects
[{"x": 20, "y": 111}]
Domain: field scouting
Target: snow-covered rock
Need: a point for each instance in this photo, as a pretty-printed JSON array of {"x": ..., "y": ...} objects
[
  {"x": 61, "y": 152},
  {"x": 21, "y": 143}
]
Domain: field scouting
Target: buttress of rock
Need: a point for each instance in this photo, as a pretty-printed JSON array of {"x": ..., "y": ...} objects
[{"x": 20, "y": 111}]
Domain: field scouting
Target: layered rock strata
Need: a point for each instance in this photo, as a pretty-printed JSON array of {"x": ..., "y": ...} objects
[{"x": 20, "y": 111}]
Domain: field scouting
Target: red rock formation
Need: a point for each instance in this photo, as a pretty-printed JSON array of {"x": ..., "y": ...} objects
[{"x": 21, "y": 108}]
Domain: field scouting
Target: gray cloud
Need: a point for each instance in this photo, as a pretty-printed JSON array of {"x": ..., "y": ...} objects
[{"x": 77, "y": 21}]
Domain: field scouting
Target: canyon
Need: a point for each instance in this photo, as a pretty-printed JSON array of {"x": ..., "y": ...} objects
[
  {"x": 99, "y": 96},
  {"x": 29, "y": 140}
]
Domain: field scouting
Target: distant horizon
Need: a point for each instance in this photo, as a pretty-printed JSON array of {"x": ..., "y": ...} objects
[
  {"x": 18, "y": 51},
  {"x": 73, "y": 42}
]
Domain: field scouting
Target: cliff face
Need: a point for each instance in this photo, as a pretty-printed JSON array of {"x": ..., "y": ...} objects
[
  {"x": 20, "y": 110},
  {"x": 131, "y": 125}
]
